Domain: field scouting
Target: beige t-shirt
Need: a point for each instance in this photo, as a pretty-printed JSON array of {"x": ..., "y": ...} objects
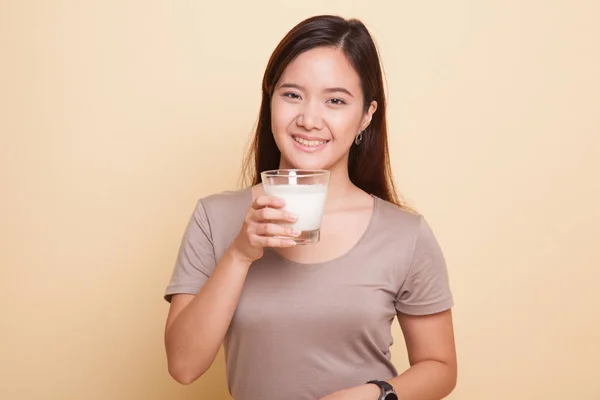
[{"x": 302, "y": 331}]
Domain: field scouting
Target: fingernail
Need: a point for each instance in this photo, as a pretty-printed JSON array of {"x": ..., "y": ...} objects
[
  {"x": 290, "y": 242},
  {"x": 292, "y": 217},
  {"x": 295, "y": 232}
]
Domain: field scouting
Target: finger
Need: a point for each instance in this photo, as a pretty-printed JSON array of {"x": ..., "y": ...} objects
[
  {"x": 278, "y": 242},
  {"x": 272, "y": 214},
  {"x": 270, "y": 241},
  {"x": 274, "y": 229},
  {"x": 268, "y": 201}
]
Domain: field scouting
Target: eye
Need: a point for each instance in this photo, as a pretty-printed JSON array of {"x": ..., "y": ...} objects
[
  {"x": 291, "y": 95},
  {"x": 337, "y": 102}
]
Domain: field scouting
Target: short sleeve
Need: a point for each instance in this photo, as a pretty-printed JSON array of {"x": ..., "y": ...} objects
[
  {"x": 426, "y": 289},
  {"x": 196, "y": 257}
]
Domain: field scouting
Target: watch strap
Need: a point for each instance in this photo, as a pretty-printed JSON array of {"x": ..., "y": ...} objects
[{"x": 387, "y": 390}]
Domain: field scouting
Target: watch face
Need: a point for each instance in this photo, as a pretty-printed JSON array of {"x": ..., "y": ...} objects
[{"x": 391, "y": 396}]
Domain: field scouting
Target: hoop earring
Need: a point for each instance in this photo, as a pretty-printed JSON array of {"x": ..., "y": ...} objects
[{"x": 359, "y": 138}]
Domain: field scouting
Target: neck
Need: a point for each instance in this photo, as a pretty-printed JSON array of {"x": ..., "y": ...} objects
[{"x": 339, "y": 186}]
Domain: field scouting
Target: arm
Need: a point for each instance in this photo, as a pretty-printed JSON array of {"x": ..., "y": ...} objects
[
  {"x": 432, "y": 356},
  {"x": 197, "y": 324},
  {"x": 424, "y": 312}
]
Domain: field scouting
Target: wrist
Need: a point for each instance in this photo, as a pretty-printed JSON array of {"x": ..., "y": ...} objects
[
  {"x": 370, "y": 391},
  {"x": 238, "y": 257}
]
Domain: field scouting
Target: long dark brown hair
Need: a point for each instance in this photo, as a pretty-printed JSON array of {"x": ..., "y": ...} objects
[{"x": 369, "y": 163}]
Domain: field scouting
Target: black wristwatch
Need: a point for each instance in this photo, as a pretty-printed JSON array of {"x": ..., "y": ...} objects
[{"x": 387, "y": 390}]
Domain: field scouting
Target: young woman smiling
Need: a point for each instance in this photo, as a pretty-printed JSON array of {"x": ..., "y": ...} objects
[{"x": 306, "y": 322}]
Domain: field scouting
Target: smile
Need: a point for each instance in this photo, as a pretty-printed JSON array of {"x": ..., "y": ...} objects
[{"x": 310, "y": 144}]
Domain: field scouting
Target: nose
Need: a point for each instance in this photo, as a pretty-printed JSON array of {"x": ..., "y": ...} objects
[{"x": 310, "y": 118}]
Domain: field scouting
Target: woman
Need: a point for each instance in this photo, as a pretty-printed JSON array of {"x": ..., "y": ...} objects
[{"x": 313, "y": 321}]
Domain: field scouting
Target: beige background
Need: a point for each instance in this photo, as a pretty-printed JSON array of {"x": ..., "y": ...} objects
[{"x": 117, "y": 115}]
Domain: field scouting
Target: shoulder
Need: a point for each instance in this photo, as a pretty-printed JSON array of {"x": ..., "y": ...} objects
[
  {"x": 405, "y": 228},
  {"x": 222, "y": 215},
  {"x": 225, "y": 202},
  {"x": 393, "y": 218},
  {"x": 227, "y": 198},
  {"x": 393, "y": 235}
]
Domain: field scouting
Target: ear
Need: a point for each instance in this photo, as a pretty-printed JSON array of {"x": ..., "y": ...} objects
[{"x": 366, "y": 120}]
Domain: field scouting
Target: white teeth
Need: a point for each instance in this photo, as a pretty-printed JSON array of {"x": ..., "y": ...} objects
[{"x": 309, "y": 143}]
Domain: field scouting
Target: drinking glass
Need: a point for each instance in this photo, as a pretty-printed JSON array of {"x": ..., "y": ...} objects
[{"x": 304, "y": 192}]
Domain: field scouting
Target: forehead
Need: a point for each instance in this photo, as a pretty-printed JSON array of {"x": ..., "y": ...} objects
[{"x": 322, "y": 67}]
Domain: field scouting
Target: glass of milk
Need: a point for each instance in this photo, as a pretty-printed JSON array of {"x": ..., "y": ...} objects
[{"x": 304, "y": 192}]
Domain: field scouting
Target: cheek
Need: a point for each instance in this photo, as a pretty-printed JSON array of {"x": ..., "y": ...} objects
[
  {"x": 344, "y": 125},
  {"x": 282, "y": 115}
]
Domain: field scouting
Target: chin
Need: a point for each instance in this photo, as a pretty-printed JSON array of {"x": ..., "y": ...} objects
[
  {"x": 309, "y": 165},
  {"x": 295, "y": 163}
]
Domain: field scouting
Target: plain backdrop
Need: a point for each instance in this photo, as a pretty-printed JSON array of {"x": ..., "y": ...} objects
[{"x": 116, "y": 116}]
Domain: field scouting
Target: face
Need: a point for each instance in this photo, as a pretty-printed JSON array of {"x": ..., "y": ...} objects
[{"x": 317, "y": 110}]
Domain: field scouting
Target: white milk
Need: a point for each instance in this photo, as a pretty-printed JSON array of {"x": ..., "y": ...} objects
[{"x": 305, "y": 201}]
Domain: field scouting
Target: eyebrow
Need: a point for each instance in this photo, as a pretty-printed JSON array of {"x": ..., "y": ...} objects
[{"x": 328, "y": 90}]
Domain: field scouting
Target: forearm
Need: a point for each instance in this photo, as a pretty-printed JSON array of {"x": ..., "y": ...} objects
[
  {"x": 425, "y": 380},
  {"x": 195, "y": 336}
]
